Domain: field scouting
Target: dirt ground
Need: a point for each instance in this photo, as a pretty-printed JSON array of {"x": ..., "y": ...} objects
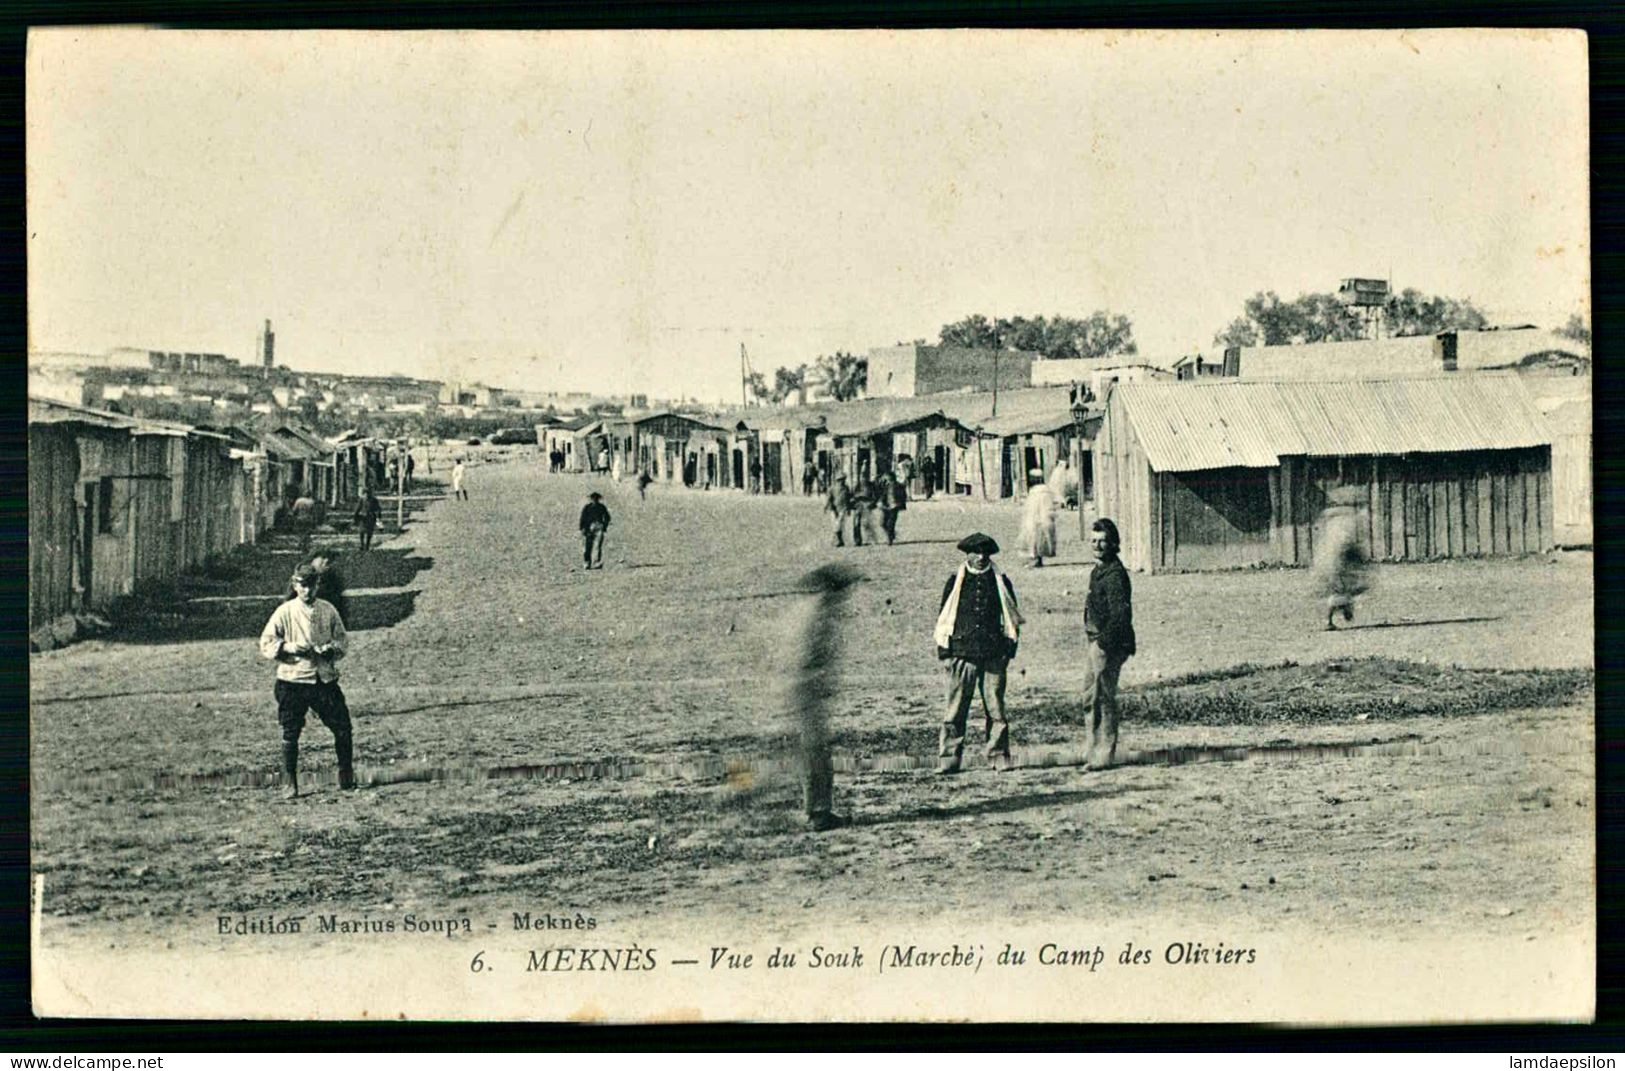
[{"x": 479, "y": 642}]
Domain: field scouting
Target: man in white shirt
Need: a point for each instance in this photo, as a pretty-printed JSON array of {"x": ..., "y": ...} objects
[{"x": 305, "y": 638}]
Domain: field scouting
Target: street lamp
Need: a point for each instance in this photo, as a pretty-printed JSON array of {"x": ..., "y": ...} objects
[{"x": 1080, "y": 414}]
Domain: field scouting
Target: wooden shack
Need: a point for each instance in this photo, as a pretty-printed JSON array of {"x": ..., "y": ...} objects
[
  {"x": 1221, "y": 474},
  {"x": 1029, "y": 442},
  {"x": 121, "y": 504},
  {"x": 856, "y": 445}
]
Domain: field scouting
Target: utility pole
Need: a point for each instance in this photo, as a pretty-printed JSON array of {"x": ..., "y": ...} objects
[
  {"x": 744, "y": 363},
  {"x": 400, "y": 484},
  {"x": 995, "y": 383}
]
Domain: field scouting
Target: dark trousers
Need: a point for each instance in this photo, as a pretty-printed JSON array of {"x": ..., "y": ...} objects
[
  {"x": 366, "y": 534},
  {"x": 293, "y": 699},
  {"x": 888, "y": 522},
  {"x": 592, "y": 546},
  {"x": 965, "y": 679}
]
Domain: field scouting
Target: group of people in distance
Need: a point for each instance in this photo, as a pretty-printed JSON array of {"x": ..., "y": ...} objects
[{"x": 855, "y": 506}]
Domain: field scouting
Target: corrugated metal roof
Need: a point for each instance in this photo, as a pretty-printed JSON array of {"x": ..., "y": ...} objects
[
  {"x": 47, "y": 411},
  {"x": 855, "y": 426},
  {"x": 1031, "y": 423},
  {"x": 1190, "y": 426}
]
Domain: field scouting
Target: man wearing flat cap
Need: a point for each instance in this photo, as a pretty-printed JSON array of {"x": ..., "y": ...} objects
[
  {"x": 977, "y": 630},
  {"x": 305, "y": 638}
]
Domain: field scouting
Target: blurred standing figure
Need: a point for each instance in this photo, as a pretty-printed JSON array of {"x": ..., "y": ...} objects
[
  {"x": 863, "y": 511},
  {"x": 808, "y": 478},
  {"x": 1341, "y": 570},
  {"x": 1108, "y": 626},
  {"x": 411, "y": 465},
  {"x": 458, "y": 474},
  {"x": 304, "y": 518},
  {"x": 644, "y": 480},
  {"x": 1038, "y": 520},
  {"x": 366, "y": 517},
  {"x": 816, "y": 680},
  {"x": 978, "y": 628},
  {"x": 839, "y": 502},
  {"x": 893, "y": 500},
  {"x": 594, "y": 523},
  {"x": 1062, "y": 485}
]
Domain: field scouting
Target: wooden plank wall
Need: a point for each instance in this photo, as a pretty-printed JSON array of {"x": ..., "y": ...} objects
[
  {"x": 1434, "y": 506},
  {"x": 1126, "y": 490},
  {"x": 1217, "y": 518},
  {"x": 53, "y": 476}
]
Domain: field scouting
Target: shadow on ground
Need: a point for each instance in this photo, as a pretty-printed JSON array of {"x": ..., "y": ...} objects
[
  {"x": 999, "y": 805},
  {"x": 236, "y": 596}
]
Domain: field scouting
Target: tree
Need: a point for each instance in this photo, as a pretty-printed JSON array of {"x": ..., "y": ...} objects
[
  {"x": 756, "y": 385},
  {"x": 1102, "y": 334},
  {"x": 1410, "y": 312},
  {"x": 786, "y": 381},
  {"x": 846, "y": 374},
  {"x": 973, "y": 331},
  {"x": 1576, "y": 329},
  {"x": 1268, "y": 320}
]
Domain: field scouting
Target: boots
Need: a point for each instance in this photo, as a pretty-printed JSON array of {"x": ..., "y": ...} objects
[
  {"x": 290, "y": 769},
  {"x": 342, "y": 745}
]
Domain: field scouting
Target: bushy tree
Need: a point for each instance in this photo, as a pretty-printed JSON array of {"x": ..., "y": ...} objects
[
  {"x": 846, "y": 374},
  {"x": 1576, "y": 329},
  {"x": 975, "y": 332},
  {"x": 1267, "y": 320},
  {"x": 1411, "y": 312},
  {"x": 1101, "y": 334}
]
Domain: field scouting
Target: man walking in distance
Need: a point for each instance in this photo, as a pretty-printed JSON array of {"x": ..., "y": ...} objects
[
  {"x": 1108, "y": 625},
  {"x": 977, "y": 632},
  {"x": 594, "y": 522},
  {"x": 366, "y": 517},
  {"x": 305, "y": 638},
  {"x": 304, "y": 512},
  {"x": 839, "y": 502},
  {"x": 458, "y": 474},
  {"x": 893, "y": 500},
  {"x": 863, "y": 511}
]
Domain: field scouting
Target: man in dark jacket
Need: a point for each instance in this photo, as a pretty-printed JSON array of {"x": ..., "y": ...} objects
[
  {"x": 366, "y": 517},
  {"x": 1108, "y": 625},
  {"x": 977, "y": 631},
  {"x": 594, "y": 522},
  {"x": 893, "y": 500}
]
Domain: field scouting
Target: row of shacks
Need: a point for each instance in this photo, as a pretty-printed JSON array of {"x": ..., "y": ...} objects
[
  {"x": 1225, "y": 474},
  {"x": 789, "y": 450},
  {"x": 118, "y": 504}
]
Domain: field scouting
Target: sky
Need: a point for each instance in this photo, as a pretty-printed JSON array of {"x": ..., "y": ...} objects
[{"x": 621, "y": 212}]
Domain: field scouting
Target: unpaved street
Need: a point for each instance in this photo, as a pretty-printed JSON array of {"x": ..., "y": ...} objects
[{"x": 480, "y": 643}]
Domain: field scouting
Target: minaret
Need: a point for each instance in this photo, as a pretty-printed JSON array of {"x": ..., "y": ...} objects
[{"x": 267, "y": 347}]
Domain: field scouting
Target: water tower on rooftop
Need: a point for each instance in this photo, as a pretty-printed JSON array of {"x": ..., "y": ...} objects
[{"x": 1367, "y": 297}]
